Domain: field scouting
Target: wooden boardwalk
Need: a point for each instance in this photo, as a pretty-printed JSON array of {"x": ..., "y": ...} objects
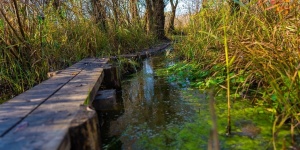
[
  {"x": 40, "y": 117},
  {"x": 55, "y": 114}
]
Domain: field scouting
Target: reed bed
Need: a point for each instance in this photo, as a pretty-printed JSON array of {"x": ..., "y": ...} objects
[
  {"x": 262, "y": 40},
  {"x": 37, "y": 38}
]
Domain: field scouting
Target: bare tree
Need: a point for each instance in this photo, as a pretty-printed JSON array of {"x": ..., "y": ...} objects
[
  {"x": 173, "y": 14},
  {"x": 194, "y": 6}
]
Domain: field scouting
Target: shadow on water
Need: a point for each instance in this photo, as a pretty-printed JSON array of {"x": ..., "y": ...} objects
[
  {"x": 151, "y": 106},
  {"x": 158, "y": 114}
]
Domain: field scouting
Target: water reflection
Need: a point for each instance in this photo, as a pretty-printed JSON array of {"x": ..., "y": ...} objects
[
  {"x": 161, "y": 115},
  {"x": 148, "y": 80},
  {"x": 151, "y": 105}
]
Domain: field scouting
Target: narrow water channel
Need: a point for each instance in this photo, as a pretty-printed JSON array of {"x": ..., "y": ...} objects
[
  {"x": 157, "y": 114},
  {"x": 151, "y": 106}
]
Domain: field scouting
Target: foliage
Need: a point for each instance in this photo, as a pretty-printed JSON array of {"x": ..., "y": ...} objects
[
  {"x": 38, "y": 39},
  {"x": 263, "y": 54}
]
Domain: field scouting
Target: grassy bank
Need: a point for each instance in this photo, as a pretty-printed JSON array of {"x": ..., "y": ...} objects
[
  {"x": 33, "y": 43},
  {"x": 262, "y": 41}
]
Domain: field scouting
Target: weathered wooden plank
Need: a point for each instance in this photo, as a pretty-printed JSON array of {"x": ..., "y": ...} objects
[
  {"x": 143, "y": 54},
  {"x": 13, "y": 111},
  {"x": 47, "y": 126},
  {"x": 153, "y": 51}
]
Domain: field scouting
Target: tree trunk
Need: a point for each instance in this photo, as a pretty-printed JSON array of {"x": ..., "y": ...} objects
[
  {"x": 149, "y": 17},
  {"x": 159, "y": 18},
  {"x": 171, "y": 23},
  {"x": 99, "y": 13},
  {"x": 173, "y": 13},
  {"x": 134, "y": 11},
  {"x": 155, "y": 19}
]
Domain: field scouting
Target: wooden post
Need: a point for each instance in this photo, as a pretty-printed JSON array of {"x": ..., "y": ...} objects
[
  {"x": 85, "y": 130},
  {"x": 105, "y": 100},
  {"x": 112, "y": 77}
]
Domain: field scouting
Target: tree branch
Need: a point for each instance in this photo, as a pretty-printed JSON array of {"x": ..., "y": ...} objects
[
  {"x": 19, "y": 20},
  {"x": 10, "y": 25}
]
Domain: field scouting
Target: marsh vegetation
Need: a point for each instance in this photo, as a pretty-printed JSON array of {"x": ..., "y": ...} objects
[{"x": 244, "y": 53}]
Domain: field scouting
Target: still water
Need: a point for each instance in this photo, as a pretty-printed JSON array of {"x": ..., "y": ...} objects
[
  {"x": 158, "y": 114},
  {"x": 152, "y": 105}
]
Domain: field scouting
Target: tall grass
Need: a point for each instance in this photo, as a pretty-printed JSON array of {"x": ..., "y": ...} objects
[
  {"x": 37, "y": 39},
  {"x": 263, "y": 53},
  {"x": 227, "y": 76}
]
